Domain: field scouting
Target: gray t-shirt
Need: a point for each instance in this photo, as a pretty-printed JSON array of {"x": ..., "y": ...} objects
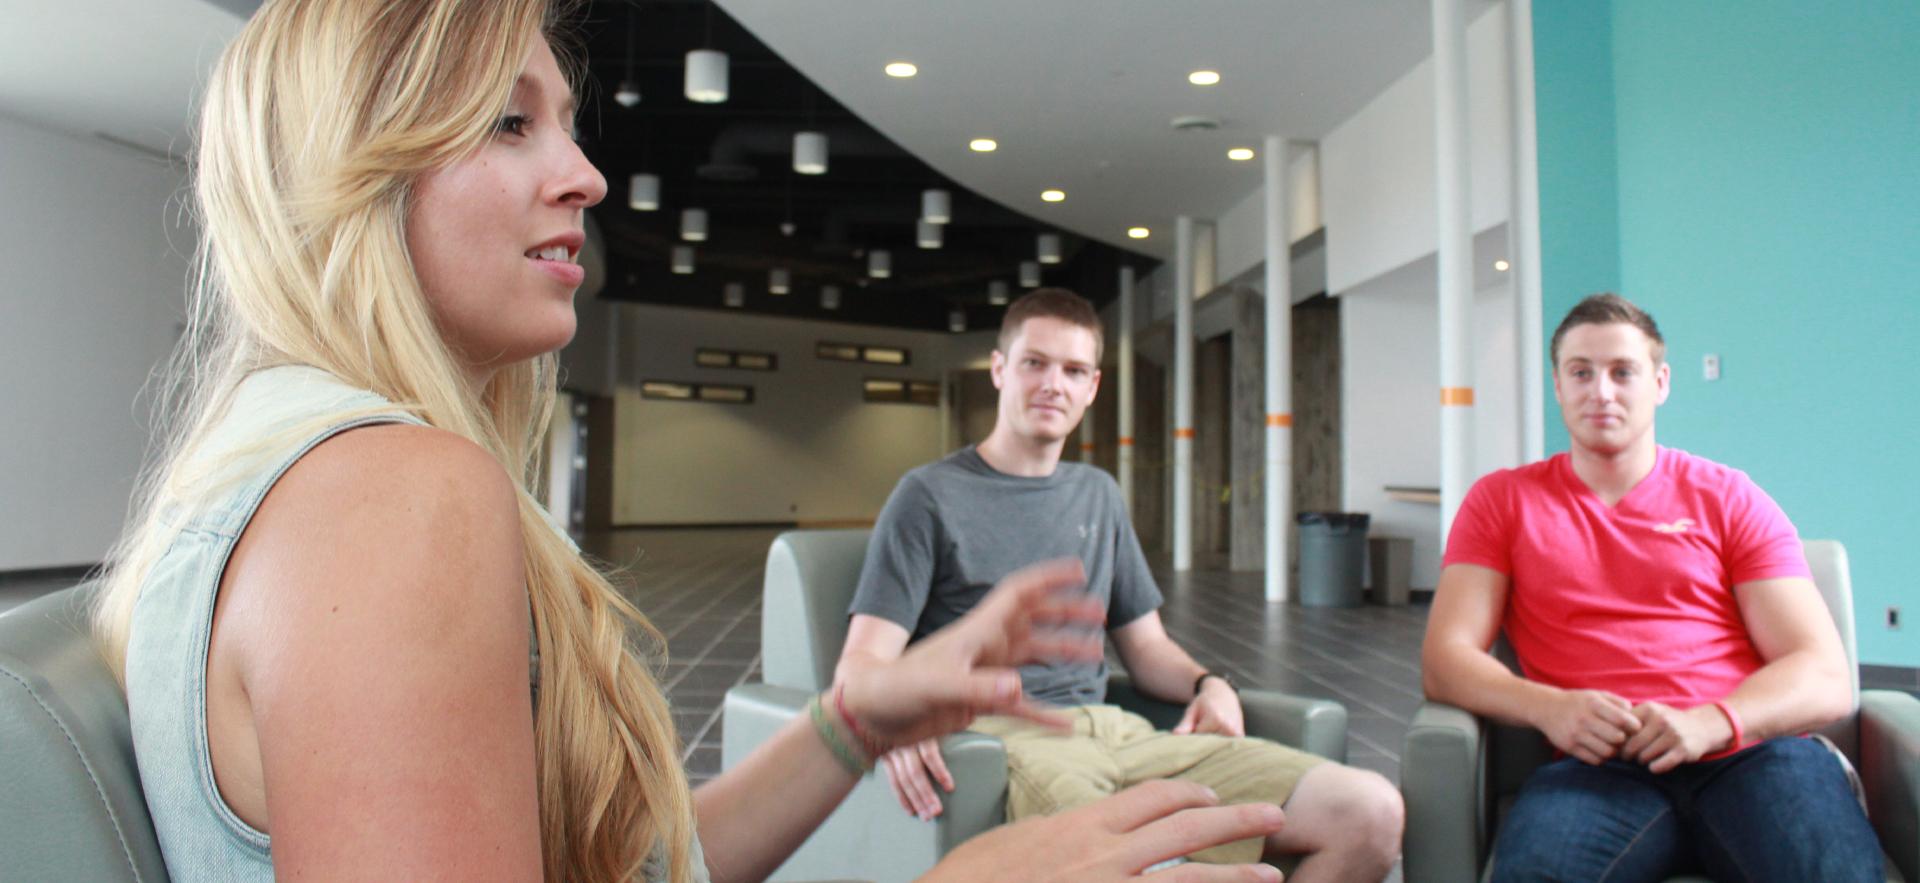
[{"x": 955, "y": 527}]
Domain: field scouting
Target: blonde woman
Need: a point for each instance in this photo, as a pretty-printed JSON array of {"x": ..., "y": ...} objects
[{"x": 353, "y": 645}]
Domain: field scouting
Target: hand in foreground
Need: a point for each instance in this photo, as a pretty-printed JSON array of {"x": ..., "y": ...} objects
[
  {"x": 940, "y": 684},
  {"x": 1216, "y": 709},
  {"x": 1669, "y": 737},
  {"x": 912, "y": 771},
  {"x": 1116, "y": 839},
  {"x": 1588, "y": 724}
]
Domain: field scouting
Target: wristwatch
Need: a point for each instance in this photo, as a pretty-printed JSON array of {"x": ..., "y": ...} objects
[{"x": 1202, "y": 679}]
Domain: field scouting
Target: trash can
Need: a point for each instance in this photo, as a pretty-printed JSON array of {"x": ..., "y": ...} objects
[
  {"x": 1390, "y": 561},
  {"x": 1333, "y": 558}
]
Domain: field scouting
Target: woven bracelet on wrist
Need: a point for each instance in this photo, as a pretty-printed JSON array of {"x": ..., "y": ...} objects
[
  {"x": 867, "y": 742},
  {"x": 831, "y": 736}
]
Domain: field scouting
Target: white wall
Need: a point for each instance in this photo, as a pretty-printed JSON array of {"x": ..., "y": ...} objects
[
  {"x": 1377, "y": 169},
  {"x": 1390, "y": 402},
  {"x": 95, "y": 259},
  {"x": 807, "y": 449}
]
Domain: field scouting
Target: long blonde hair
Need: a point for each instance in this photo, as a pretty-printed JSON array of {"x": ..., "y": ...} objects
[{"x": 317, "y": 122}]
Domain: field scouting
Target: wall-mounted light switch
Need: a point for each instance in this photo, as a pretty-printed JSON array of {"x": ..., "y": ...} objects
[{"x": 1710, "y": 366}]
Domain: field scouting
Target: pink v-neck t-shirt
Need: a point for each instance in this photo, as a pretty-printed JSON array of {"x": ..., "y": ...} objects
[{"x": 1637, "y": 598}]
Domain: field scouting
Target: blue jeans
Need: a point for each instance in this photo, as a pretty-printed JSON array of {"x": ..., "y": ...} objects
[{"x": 1781, "y": 810}]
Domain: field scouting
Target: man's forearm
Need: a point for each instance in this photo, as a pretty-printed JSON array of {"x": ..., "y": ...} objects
[
  {"x": 1472, "y": 679},
  {"x": 1793, "y": 694},
  {"x": 1164, "y": 671},
  {"x": 858, "y": 660}
]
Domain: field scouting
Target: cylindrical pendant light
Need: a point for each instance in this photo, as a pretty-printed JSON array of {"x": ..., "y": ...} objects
[
  {"x": 829, "y": 297},
  {"x": 779, "y": 281},
  {"x": 707, "y": 76},
  {"x": 880, "y": 263},
  {"x": 1029, "y": 274},
  {"x": 735, "y": 295},
  {"x": 643, "y": 192},
  {"x": 936, "y": 206},
  {"x": 927, "y": 233},
  {"x": 693, "y": 225},
  {"x": 810, "y": 153},
  {"x": 1049, "y": 248},
  {"x": 997, "y": 292},
  {"x": 683, "y": 259},
  {"x": 957, "y": 321}
]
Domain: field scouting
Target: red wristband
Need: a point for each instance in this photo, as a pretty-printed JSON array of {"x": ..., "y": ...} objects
[
  {"x": 840, "y": 705},
  {"x": 1739, "y": 735}
]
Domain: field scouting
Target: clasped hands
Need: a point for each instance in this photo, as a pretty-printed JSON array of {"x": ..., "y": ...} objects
[{"x": 1596, "y": 726}]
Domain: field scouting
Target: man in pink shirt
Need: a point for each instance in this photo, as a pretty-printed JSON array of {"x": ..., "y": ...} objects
[{"x": 1672, "y": 644}]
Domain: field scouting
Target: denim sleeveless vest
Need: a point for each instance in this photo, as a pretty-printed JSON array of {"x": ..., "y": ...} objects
[{"x": 275, "y": 416}]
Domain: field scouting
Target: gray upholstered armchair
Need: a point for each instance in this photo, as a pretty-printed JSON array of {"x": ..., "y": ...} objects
[
  {"x": 71, "y": 807},
  {"x": 1459, "y": 773},
  {"x": 810, "y": 581}
]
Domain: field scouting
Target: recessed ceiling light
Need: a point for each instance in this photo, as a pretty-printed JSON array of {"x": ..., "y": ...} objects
[
  {"x": 1053, "y": 195},
  {"x": 1138, "y": 233},
  {"x": 1501, "y": 265},
  {"x": 901, "y": 69},
  {"x": 1240, "y": 153},
  {"x": 984, "y": 145},
  {"x": 1203, "y": 78}
]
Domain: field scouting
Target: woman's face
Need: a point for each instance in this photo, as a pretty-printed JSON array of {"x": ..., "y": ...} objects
[{"x": 494, "y": 237}]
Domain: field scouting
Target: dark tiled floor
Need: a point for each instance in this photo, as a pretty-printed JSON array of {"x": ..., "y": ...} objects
[{"x": 702, "y": 590}]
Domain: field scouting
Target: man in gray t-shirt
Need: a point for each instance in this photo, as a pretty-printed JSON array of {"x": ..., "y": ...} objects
[{"x": 955, "y": 527}]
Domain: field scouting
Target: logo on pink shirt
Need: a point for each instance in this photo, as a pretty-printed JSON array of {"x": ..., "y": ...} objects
[{"x": 1679, "y": 526}]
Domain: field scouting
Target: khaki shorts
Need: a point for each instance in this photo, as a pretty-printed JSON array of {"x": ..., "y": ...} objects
[{"x": 1111, "y": 749}]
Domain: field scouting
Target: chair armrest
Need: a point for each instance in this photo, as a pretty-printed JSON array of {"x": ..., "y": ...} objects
[
  {"x": 978, "y": 802},
  {"x": 1442, "y": 779},
  {"x": 869, "y": 836},
  {"x": 1318, "y": 726},
  {"x": 1890, "y": 770},
  {"x": 752, "y": 713}
]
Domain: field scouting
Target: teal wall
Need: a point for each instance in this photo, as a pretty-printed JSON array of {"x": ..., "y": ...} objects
[{"x": 1762, "y": 160}]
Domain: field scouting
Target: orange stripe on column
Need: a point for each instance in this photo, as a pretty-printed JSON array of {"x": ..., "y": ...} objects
[
  {"x": 1183, "y": 433},
  {"x": 1126, "y": 441},
  {"x": 1279, "y": 419},
  {"x": 1086, "y": 446},
  {"x": 1459, "y": 396}
]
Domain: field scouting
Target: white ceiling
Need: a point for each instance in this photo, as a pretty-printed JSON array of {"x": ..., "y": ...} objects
[
  {"x": 128, "y": 69},
  {"x": 1080, "y": 93}
]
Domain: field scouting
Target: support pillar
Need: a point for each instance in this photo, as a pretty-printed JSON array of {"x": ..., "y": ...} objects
[
  {"x": 1183, "y": 394},
  {"x": 1279, "y": 373},
  {"x": 1455, "y": 256},
  {"x": 1124, "y": 429},
  {"x": 1523, "y": 227}
]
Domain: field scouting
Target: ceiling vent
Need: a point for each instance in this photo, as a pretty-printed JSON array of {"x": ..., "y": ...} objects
[{"x": 1195, "y": 124}]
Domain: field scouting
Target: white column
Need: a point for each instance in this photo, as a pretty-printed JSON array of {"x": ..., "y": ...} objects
[
  {"x": 947, "y": 381},
  {"x": 1183, "y": 394},
  {"x": 1125, "y": 357},
  {"x": 1279, "y": 373},
  {"x": 1524, "y": 229},
  {"x": 1455, "y": 256},
  {"x": 1086, "y": 436}
]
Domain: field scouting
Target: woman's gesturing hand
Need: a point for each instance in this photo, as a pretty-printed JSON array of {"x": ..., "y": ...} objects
[{"x": 970, "y": 668}]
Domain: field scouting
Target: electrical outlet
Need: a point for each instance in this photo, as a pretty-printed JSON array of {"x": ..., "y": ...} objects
[
  {"x": 1710, "y": 366},
  {"x": 1893, "y": 618}
]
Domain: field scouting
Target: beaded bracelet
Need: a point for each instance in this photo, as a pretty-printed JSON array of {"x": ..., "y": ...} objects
[{"x": 828, "y": 734}]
